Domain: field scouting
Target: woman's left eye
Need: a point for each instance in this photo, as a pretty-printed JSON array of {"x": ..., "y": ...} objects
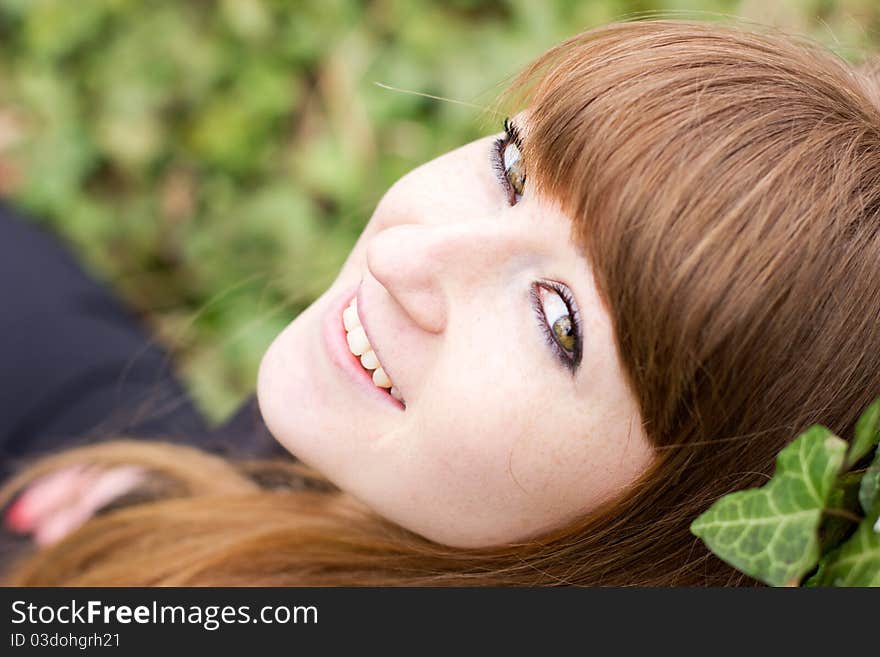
[
  {"x": 509, "y": 164},
  {"x": 559, "y": 318}
]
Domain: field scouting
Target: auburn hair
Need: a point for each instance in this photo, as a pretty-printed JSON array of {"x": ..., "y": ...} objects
[{"x": 724, "y": 184}]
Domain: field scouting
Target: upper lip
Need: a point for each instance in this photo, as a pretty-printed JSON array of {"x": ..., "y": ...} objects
[{"x": 364, "y": 324}]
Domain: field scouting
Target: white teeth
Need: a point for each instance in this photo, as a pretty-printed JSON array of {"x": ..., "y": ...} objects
[
  {"x": 350, "y": 318},
  {"x": 357, "y": 341},
  {"x": 369, "y": 360},
  {"x": 381, "y": 379},
  {"x": 360, "y": 346}
]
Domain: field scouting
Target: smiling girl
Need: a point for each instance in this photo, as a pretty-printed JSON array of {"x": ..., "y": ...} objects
[{"x": 552, "y": 348}]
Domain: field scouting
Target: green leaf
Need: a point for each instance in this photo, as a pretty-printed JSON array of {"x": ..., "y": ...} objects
[
  {"x": 856, "y": 562},
  {"x": 771, "y": 533},
  {"x": 816, "y": 578},
  {"x": 869, "y": 490},
  {"x": 867, "y": 434},
  {"x": 841, "y": 512}
]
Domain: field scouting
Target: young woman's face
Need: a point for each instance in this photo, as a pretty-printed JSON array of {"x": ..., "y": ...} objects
[{"x": 483, "y": 315}]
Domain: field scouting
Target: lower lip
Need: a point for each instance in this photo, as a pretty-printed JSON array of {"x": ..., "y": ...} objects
[{"x": 341, "y": 356}]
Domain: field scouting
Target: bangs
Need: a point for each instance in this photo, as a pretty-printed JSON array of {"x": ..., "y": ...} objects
[{"x": 655, "y": 112}]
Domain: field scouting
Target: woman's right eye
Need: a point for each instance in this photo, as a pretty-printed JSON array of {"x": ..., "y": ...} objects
[
  {"x": 509, "y": 164},
  {"x": 559, "y": 320}
]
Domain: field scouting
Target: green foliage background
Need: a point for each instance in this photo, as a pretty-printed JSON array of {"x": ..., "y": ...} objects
[{"x": 214, "y": 160}]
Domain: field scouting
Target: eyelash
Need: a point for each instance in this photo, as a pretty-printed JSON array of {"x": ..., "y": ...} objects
[
  {"x": 511, "y": 134},
  {"x": 571, "y": 361}
]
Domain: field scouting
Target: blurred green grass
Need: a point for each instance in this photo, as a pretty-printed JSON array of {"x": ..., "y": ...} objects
[{"x": 215, "y": 160}]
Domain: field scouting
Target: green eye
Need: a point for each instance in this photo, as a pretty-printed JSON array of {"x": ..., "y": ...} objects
[
  {"x": 558, "y": 318},
  {"x": 508, "y": 163},
  {"x": 563, "y": 329},
  {"x": 514, "y": 168}
]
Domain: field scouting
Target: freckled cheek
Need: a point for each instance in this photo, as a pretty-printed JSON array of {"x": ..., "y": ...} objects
[
  {"x": 534, "y": 465},
  {"x": 560, "y": 460},
  {"x": 473, "y": 456}
]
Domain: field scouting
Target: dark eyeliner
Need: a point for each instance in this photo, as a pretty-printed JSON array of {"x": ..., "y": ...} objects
[
  {"x": 511, "y": 135},
  {"x": 498, "y": 166},
  {"x": 569, "y": 360}
]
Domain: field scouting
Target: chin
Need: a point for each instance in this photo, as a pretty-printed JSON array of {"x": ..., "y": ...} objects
[
  {"x": 298, "y": 398},
  {"x": 289, "y": 404}
]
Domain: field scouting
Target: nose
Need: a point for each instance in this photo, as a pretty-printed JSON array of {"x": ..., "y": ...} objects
[{"x": 425, "y": 267}]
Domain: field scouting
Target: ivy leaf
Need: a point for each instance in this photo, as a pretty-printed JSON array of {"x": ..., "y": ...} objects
[
  {"x": 771, "y": 533},
  {"x": 844, "y": 497},
  {"x": 856, "y": 562},
  {"x": 835, "y": 528},
  {"x": 867, "y": 434},
  {"x": 869, "y": 489},
  {"x": 816, "y": 578}
]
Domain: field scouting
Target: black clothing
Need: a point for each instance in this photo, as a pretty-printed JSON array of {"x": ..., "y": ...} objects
[{"x": 77, "y": 366}]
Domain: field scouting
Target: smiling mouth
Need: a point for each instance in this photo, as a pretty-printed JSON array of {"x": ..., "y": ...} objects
[{"x": 359, "y": 345}]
